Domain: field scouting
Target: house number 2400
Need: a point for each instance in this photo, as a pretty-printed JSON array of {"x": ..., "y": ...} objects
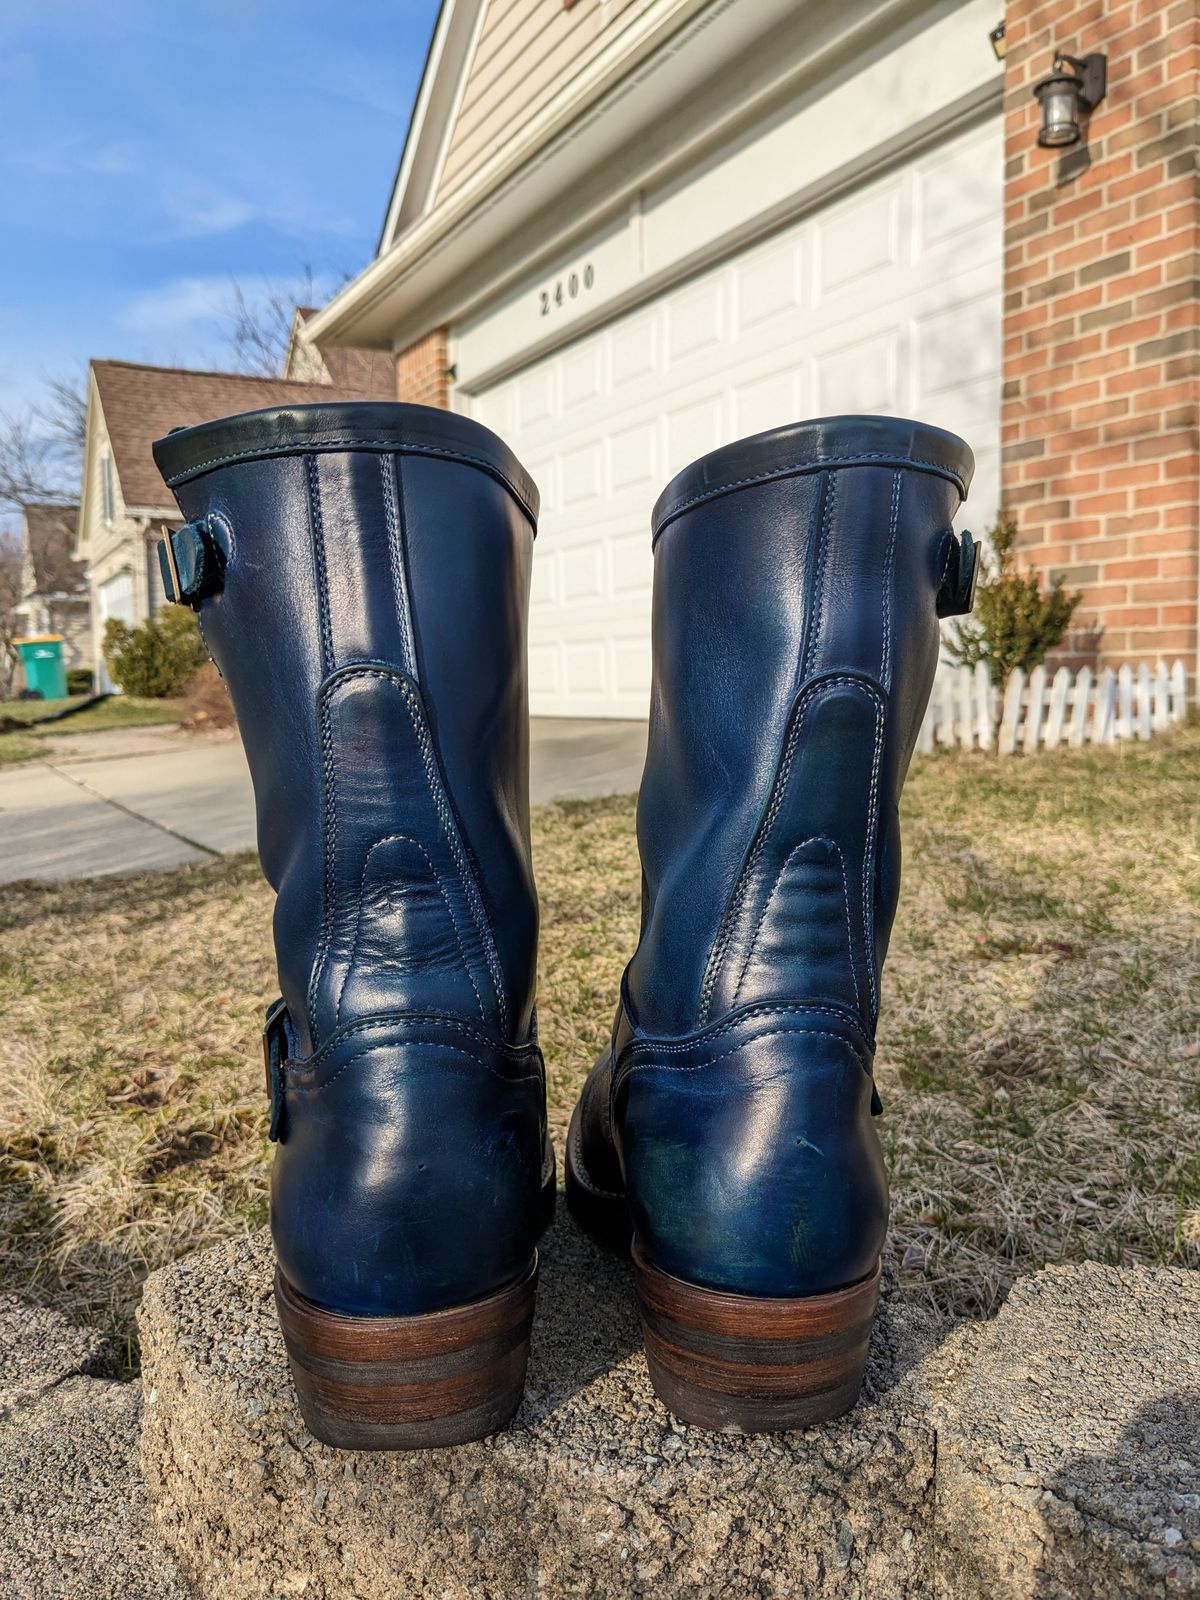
[{"x": 564, "y": 289}]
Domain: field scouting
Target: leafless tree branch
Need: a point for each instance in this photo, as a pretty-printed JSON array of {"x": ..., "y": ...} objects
[{"x": 260, "y": 322}]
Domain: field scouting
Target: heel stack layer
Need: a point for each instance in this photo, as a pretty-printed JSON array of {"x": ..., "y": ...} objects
[
  {"x": 736, "y": 1362},
  {"x": 408, "y": 1383}
]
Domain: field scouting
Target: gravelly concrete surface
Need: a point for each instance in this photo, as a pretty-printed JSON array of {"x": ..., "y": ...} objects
[
  {"x": 595, "y": 1490},
  {"x": 1069, "y": 1438},
  {"x": 74, "y": 1518},
  {"x": 1052, "y": 1453}
]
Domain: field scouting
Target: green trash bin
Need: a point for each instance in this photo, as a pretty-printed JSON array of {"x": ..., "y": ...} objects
[{"x": 45, "y": 670}]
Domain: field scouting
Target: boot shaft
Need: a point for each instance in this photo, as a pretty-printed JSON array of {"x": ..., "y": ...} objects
[
  {"x": 361, "y": 575},
  {"x": 799, "y": 577}
]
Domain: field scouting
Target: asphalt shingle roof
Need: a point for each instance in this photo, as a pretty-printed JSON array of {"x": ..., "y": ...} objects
[
  {"x": 142, "y": 403},
  {"x": 50, "y": 539}
]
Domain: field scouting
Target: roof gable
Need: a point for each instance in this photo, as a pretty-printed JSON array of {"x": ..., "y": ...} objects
[
  {"x": 141, "y": 404},
  {"x": 493, "y": 66},
  {"x": 437, "y": 95},
  {"x": 49, "y": 549}
]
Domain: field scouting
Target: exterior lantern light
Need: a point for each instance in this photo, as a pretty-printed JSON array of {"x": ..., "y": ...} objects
[
  {"x": 1075, "y": 86},
  {"x": 998, "y": 42}
]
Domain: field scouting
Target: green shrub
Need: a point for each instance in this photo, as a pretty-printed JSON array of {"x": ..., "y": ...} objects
[
  {"x": 1015, "y": 621},
  {"x": 80, "y": 680},
  {"x": 157, "y": 659}
]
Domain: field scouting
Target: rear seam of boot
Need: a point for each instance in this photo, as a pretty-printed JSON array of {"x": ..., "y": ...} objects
[
  {"x": 816, "y": 838},
  {"x": 889, "y": 567},
  {"x": 437, "y": 1019},
  {"x": 329, "y": 820},
  {"x": 393, "y": 511},
  {"x": 725, "y": 931},
  {"x": 408, "y": 838},
  {"x": 424, "y": 1044},
  {"x": 410, "y": 695},
  {"x": 816, "y": 609}
]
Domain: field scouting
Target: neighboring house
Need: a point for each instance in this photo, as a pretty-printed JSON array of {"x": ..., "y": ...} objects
[
  {"x": 124, "y": 500},
  {"x": 54, "y": 585},
  {"x": 624, "y": 231}
]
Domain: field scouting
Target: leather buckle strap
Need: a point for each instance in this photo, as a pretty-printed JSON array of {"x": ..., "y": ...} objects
[
  {"x": 192, "y": 560},
  {"x": 275, "y": 1051},
  {"x": 956, "y": 593}
]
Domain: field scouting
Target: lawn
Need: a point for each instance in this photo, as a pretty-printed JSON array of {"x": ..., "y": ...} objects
[
  {"x": 1039, "y": 1059},
  {"x": 118, "y": 711}
]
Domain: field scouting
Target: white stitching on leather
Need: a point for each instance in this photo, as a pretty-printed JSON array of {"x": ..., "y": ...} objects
[
  {"x": 725, "y": 932},
  {"x": 817, "y": 838},
  {"x": 698, "y": 1066},
  {"x": 329, "y": 810},
  {"x": 419, "y": 1044},
  {"x": 750, "y": 1014},
  {"x": 821, "y": 464},
  {"x": 888, "y": 577},
  {"x": 400, "y": 447},
  {"x": 408, "y": 839},
  {"x": 817, "y": 624},
  {"x": 413, "y": 1019},
  {"x": 470, "y": 891},
  {"x": 390, "y": 482},
  {"x": 868, "y": 872}
]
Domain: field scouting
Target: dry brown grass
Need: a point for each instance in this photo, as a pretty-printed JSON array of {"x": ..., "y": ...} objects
[{"x": 1039, "y": 1057}]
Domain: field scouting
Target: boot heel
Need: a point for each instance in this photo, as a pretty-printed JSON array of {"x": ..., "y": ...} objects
[
  {"x": 730, "y": 1361},
  {"x": 408, "y": 1383}
]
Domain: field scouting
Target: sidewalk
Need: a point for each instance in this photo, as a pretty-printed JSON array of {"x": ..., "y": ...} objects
[{"x": 133, "y": 799}]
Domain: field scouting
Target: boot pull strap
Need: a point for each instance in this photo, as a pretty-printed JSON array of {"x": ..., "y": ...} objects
[
  {"x": 192, "y": 560},
  {"x": 956, "y": 592}
]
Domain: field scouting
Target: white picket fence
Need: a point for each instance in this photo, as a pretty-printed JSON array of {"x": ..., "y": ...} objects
[{"x": 1040, "y": 712}]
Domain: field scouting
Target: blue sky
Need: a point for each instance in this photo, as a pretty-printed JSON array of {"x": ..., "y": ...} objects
[{"x": 150, "y": 151}]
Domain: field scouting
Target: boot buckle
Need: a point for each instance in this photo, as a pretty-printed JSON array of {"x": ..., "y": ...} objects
[
  {"x": 956, "y": 594},
  {"x": 274, "y": 1040},
  {"x": 192, "y": 560}
]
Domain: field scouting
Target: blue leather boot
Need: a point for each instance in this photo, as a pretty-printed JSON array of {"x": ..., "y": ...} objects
[
  {"x": 798, "y": 581},
  {"x": 361, "y": 574}
]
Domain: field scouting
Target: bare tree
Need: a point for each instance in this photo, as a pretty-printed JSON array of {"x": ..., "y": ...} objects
[
  {"x": 10, "y": 596},
  {"x": 40, "y": 452},
  {"x": 32, "y": 467},
  {"x": 260, "y": 322},
  {"x": 64, "y": 415}
]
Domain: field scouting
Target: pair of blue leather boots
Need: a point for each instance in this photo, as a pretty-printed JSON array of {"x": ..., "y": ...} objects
[{"x": 361, "y": 575}]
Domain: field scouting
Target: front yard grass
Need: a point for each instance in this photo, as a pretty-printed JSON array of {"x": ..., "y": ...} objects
[
  {"x": 1039, "y": 1058},
  {"x": 118, "y": 711}
]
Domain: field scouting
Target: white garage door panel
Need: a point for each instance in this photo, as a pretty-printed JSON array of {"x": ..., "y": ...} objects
[{"x": 887, "y": 301}]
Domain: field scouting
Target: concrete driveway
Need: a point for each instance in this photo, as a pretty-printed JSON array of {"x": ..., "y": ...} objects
[{"x": 133, "y": 799}]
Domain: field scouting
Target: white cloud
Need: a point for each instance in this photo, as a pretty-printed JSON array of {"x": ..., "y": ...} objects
[
  {"x": 200, "y": 212},
  {"x": 191, "y": 307},
  {"x": 177, "y": 307}
]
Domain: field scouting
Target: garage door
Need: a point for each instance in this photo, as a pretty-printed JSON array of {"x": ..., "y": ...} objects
[
  {"x": 887, "y": 300},
  {"x": 116, "y": 600}
]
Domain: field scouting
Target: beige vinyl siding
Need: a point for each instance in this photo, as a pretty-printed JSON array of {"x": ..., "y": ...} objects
[{"x": 526, "y": 51}]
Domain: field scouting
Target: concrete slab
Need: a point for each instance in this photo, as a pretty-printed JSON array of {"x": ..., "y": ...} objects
[
  {"x": 1051, "y": 1454},
  {"x": 110, "y": 744},
  {"x": 574, "y": 759},
  {"x": 135, "y": 799},
  {"x": 200, "y": 790},
  {"x": 50, "y": 827}
]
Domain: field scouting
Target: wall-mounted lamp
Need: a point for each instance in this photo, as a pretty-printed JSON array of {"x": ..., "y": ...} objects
[
  {"x": 1075, "y": 86},
  {"x": 998, "y": 42}
]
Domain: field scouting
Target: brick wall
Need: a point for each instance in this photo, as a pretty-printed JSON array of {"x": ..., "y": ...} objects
[
  {"x": 1101, "y": 463},
  {"x": 422, "y": 371}
]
